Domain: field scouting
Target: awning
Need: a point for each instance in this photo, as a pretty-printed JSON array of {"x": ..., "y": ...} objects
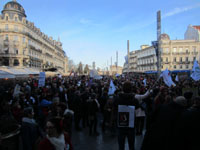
[{"x": 4, "y": 75}]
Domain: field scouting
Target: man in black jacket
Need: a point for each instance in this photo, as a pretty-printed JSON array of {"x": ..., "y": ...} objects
[{"x": 131, "y": 100}]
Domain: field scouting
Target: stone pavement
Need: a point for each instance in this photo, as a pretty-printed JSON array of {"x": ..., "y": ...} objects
[{"x": 105, "y": 141}]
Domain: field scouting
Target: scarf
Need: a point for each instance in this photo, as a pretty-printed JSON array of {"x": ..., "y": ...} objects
[
  {"x": 28, "y": 120},
  {"x": 59, "y": 143}
]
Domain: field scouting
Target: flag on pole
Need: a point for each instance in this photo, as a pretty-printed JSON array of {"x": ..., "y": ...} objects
[
  {"x": 112, "y": 88},
  {"x": 176, "y": 78},
  {"x": 167, "y": 78},
  {"x": 126, "y": 59},
  {"x": 195, "y": 71},
  {"x": 145, "y": 82}
]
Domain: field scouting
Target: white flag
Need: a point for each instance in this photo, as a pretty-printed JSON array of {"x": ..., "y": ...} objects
[
  {"x": 167, "y": 78},
  {"x": 112, "y": 88},
  {"x": 195, "y": 71},
  {"x": 176, "y": 78},
  {"x": 145, "y": 82}
]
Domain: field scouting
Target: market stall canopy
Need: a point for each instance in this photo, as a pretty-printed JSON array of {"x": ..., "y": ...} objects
[
  {"x": 4, "y": 75},
  {"x": 19, "y": 72}
]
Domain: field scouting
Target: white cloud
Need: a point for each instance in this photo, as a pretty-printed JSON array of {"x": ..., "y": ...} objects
[
  {"x": 179, "y": 10},
  {"x": 85, "y": 21}
]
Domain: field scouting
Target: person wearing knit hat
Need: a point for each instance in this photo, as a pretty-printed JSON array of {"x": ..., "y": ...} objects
[
  {"x": 164, "y": 125},
  {"x": 181, "y": 100},
  {"x": 188, "y": 128}
]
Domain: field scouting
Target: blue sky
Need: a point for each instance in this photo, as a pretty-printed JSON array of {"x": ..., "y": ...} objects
[{"x": 93, "y": 30}]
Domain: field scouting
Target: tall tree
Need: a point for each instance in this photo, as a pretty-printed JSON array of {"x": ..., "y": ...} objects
[
  {"x": 80, "y": 68},
  {"x": 86, "y": 69}
]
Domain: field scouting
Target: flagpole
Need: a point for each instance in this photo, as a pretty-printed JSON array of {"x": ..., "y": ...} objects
[{"x": 128, "y": 55}]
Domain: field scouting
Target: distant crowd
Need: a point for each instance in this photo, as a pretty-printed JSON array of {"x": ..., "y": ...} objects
[{"x": 43, "y": 118}]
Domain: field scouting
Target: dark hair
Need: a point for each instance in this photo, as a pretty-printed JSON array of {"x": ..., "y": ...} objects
[
  {"x": 28, "y": 111},
  {"x": 57, "y": 122},
  {"x": 127, "y": 87}
]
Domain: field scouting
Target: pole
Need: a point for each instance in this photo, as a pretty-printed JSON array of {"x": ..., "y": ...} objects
[
  {"x": 117, "y": 62},
  {"x": 128, "y": 54},
  {"x": 111, "y": 66},
  {"x": 158, "y": 39}
]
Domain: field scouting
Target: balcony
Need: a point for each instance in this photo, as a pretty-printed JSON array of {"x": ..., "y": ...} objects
[
  {"x": 16, "y": 43},
  {"x": 194, "y": 53},
  {"x": 6, "y": 42},
  {"x": 10, "y": 55}
]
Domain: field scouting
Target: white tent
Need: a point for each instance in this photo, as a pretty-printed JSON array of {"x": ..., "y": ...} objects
[{"x": 4, "y": 74}]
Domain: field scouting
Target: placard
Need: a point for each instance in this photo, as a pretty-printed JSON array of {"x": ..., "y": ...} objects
[{"x": 126, "y": 116}]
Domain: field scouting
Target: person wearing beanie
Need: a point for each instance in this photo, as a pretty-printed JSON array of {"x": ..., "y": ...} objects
[
  {"x": 164, "y": 125},
  {"x": 188, "y": 128}
]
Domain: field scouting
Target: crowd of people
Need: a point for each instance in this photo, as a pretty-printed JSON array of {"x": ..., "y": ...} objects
[{"x": 42, "y": 118}]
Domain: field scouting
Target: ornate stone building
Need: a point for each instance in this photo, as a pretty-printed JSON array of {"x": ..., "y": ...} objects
[
  {"x": 176, "y": 55},
  {"x": 23, "y": 45}
]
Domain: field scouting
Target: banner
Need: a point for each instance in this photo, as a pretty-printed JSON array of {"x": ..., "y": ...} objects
[
  {"x": 41, "y": 81},
  {"x": 126, "y": 116},
  {"x": 112, "y": 88},
  {"x": 195, "y": 71}
]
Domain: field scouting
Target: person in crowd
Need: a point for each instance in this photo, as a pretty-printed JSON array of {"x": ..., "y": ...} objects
[
  {"x": 56, "y": 138},
  {"x": 93, "y": 108},
  {"x": 127, "y": 98},
  {"x": 77, "y": 108},
  {"x": 30, "y": 131},
  {"x": 163, "y": 126},
  {"x": 188, "y": 129}
]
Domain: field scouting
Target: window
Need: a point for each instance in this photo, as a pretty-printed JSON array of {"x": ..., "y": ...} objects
[
  {"x": 15, "y": 6},
  {"x": 187, "y": 51},
  {"x": 186, "y": 66},
  {"x": 6, "y": 18},
  {"x": 167, "y": 50},
  {"x": 166, "y": 59},
  {"x": 23, "y": 39},
  {"x": 24, "y": 30},
  {"x": 186, "y": 58},
  {"x": 174, "y": 59},
  {"x": 174, "y": 49},
  {"x": 24, "y": 51},
  {"x": 174, "y": 66},
  {"x": 194, "y": 58},
  {"x": 16, "y": 62},
  {"x": 194, "y": 49},
  {"x": 15, "y": 38},
  {"x": 6, "y": 27},
  {"x": 6, "y": 37},
  {"x": 181, "y": 59},
  {"x": 180, "y": 49},
  {"x": 16, "y": 51},
  {"x": 181, "y": 67},
  {"x": 15, "y": 28}
]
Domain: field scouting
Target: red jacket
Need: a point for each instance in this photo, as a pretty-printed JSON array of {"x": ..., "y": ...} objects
[{"x": 45, "y": 144}]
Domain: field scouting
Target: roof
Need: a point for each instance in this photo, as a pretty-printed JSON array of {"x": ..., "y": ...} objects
[
  {"x": 14, "y": 6},
  {"x": 196, "y": 27}
]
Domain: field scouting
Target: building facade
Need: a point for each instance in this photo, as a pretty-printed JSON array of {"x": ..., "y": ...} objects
[
  {"x": 23, "y": 45},
  {"x": 176, "y": 55}
]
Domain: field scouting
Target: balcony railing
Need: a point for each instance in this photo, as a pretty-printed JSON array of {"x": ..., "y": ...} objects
[
  {"x": 6, "y": 42},
  {"x": 194, "y": 53}
]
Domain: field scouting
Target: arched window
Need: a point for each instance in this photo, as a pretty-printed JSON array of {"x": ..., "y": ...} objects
[{"x": 16, "y": 62}]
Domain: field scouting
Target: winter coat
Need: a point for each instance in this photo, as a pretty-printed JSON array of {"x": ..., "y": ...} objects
[{"x": 45, "y": 144}]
